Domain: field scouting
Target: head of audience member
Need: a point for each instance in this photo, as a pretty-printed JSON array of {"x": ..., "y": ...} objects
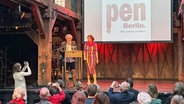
[
  {"x": 176, "y": 99},
  {"x": 182, "y": 102},
  {"x": 68, "y": 38},
  {"x": 178, "y": 88},
  {"x": 44, "y": 93},
  {"x": 92, "y": 89},
  {"x": 153, "y": 91},
  {"x": 101, "y": 98},
  {"x": 78, "y": 86},
  {"x": 17, "y": 67},
  {"x": 61, "y": 83},
  {"x": 124, "y": 86},
  {"x": 53, "y": 90},
  {"x": 18, "y": 93},
  {"x": 143, "y": 98},
  {"x": 78, "y": 98},
  {"x": 130, "y": 81}
]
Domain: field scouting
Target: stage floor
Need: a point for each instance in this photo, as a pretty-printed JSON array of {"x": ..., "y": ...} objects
[{"x": 164, "y": 86}]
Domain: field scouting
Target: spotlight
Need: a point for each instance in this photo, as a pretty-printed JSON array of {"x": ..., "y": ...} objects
[
  {"x": 16, "y": 27},
  {"x": 65, "y": 28}
]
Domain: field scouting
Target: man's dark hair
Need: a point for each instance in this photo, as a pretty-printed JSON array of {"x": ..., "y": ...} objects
[
  {"x": 53, "y": 90},
  {"x": 92, "y": 89},
  {"x": 130, "y": 81},
  {"x": 60, "y": 82}
]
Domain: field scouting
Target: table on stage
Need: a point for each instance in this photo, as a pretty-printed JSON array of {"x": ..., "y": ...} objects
[{"x": 75, "y": 54}]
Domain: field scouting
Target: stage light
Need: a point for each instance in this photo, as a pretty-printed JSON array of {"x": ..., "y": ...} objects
[
  {"x": 16, "y": 27},
  {"x": 65, "y": 28}
]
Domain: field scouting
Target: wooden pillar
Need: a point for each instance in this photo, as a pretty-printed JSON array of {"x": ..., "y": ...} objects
[
  {"x": 180, "y": 57},
  {"x": 44, "y": 56},
  {"x": 79, "y": 33},
  {"x": 68, "y": 4},
  {"x": 180, "y": 50},
  {"x": 45, "y": 52},
  {"x": 79, "y": 25}
]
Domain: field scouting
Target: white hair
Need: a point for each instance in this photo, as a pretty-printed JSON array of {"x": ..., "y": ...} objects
[{"x": 124, "y": 86}]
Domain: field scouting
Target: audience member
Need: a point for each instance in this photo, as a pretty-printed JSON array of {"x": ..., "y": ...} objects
[
  {"x": 130, "y": 81},
  {"x": 17, "y": 97},
  {"x": 79, "y": 87},
  {"x": 78, "y": 98},
  {"x": 67, "y": 95},
  {"x": 176, "y": 99},
  {"x": 91, "y": 90},
  {"x": 153, "y": 92},
  {"x": 122, "y": 97},
  {"x": 143, "y": 98},
  {"x": 177, "y": 90},
  {"x": 56, "y": 98},
  {"x": 101, "y": 98},
  {"x": 44, "y": 96},
  {"x": 182, "y": 101},
  {"x": 19, "y": 74}
]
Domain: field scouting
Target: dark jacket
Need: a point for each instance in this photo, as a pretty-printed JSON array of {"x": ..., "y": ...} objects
[
  {"x": 44, "y": 102},
  {"x": 121, "y": 97},
  {"x": 67, "y": 98},
  {"x": 63, "y": 48},
  {"x": 136, "y": 92},
  {"x": 64, "y": 43}
]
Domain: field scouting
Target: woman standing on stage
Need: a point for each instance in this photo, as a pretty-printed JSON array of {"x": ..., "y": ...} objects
[
  {"x": 91, "y": 57},
  {"x": 19, "y": 74}
]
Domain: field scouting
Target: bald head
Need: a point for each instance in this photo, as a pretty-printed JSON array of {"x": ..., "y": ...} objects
[
  {"x": 125, "y": 86},
  {"x": 44, "y": 93}
]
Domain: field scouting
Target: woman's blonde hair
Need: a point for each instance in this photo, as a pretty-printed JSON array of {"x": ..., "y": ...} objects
[
  {"x": 78, "y": 85},
  {"x": 16, "y": 67},
  {"x": 18, "y": 93}
]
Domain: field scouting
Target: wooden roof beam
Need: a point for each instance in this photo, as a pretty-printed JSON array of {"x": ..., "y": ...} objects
[
  {"x": 36, "y": 12},
  {"x": 32, "y": 34},
  {"x": 73, "y": 29},
  {"x": 72, "y": 24},
  {"x": 59, "y": 11},
  {"x": 64, "y": 11},
  {"x": 40, "y": 3}
]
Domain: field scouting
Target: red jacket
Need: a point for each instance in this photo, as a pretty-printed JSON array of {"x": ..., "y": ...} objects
[
  {"x": 57, "y": 98},
  {"x": 20, "y": 101}
]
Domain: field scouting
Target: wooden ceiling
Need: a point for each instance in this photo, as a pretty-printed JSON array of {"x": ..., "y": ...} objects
[{"x": 11, "y": 12}]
